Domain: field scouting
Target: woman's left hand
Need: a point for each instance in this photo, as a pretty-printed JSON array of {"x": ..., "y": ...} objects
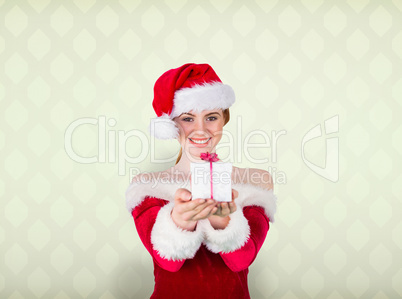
[
  {"x": 227, "y": 208},
  {"x": 220, "y": 218}
]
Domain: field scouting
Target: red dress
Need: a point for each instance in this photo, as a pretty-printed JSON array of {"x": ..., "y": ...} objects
[{"x": 206, "y": 263}]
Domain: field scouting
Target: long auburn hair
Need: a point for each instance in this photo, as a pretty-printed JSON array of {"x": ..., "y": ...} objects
[{"x": 226, "y": 117}]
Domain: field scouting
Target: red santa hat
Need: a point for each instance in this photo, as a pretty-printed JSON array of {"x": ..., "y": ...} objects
[{"x": 191, "y": 87}]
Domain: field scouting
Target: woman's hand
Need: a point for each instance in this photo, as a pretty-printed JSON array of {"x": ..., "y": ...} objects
[
  {"x": 227, "y": 208},
  {"x": 220, "y": 219},
  {"x": 187, "y": 212}
]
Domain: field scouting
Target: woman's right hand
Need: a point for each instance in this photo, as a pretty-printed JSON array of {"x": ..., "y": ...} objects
[{"x": 187, "y": 212}]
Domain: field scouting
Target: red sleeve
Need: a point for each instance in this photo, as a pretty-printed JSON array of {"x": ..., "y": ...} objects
[
  {"x": 144, "y": 218},
  {"x": 242, "y": 258}
]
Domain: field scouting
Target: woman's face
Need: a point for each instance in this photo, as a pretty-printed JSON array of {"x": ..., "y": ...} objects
[{"x": 200, "y": 132}]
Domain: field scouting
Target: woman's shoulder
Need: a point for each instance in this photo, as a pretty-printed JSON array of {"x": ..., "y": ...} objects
[
  {"x": 142, "y": 177},
  {"x": 148, "y": 186},
  {"x": 147, "y": 176},
  {"x": 254, "y": 176}
]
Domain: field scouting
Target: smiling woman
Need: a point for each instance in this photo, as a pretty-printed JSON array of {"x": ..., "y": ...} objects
[
  {"x": 201, "y": 248},
  {"x": 208, "y": 119}
]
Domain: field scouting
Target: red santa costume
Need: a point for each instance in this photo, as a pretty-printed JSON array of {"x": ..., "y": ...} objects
[{"x": 207, "y": 262}]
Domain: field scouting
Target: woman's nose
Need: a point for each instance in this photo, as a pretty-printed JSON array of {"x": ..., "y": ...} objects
[{"x": 199, "y": 125}]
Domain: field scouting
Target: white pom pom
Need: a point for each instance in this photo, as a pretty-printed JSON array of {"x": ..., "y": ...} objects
[{"x": 163, "y": 128}]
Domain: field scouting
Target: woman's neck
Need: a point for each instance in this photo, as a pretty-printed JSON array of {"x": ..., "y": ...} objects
[{"x": 183, "y": 166}]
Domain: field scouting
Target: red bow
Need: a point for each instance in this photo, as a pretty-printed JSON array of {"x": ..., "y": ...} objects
[{"x": 211, "y": 157}]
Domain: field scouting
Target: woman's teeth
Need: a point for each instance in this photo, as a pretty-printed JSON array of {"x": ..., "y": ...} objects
[{"x": 200, "y": 141}]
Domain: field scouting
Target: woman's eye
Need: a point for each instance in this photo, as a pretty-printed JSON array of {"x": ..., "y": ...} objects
[{"x": 211, "y": 118}]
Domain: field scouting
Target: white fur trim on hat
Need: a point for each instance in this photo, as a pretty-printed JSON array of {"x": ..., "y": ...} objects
[
  {"x": 172, "y": 242},
  {"x": 229, "y": 239},
  {"x": 207, "y": 96},
  {"x": 163, "y": 127}
]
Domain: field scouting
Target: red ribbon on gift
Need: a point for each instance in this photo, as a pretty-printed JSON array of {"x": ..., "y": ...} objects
[{"x": 211, "y": 157}]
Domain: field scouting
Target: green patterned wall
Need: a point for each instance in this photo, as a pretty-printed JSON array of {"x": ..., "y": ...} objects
[{"x": 294, "y": 65}]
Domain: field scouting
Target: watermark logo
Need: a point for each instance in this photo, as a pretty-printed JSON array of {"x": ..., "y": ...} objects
[
  {"x": 107, "y": 141},
  {"x": 331, "y": 169},
  {"x": 112, "y": 146}
]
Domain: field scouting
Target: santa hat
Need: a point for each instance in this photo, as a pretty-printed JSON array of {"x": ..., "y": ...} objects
[{"x": 191, "y": 87}]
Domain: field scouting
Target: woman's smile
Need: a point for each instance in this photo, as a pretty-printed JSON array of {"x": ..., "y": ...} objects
[{"x": 200, "y": 142}]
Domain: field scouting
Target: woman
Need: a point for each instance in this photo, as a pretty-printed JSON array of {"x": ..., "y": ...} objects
[{"x": 200, "y": 248}]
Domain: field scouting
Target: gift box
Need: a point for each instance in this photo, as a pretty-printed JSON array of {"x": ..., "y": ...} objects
[{"x": 211, "y": 179}]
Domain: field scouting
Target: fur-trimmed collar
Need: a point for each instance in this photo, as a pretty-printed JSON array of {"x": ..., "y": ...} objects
[{"x": 249, "y": 195}]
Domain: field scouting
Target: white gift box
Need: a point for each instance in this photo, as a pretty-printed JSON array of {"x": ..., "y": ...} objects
[{"x": 221, "y": 180}]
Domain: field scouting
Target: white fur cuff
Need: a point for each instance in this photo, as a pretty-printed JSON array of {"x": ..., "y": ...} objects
[
  {"x": 172, "y": 242},
  {"x": 233, "y": 237}
]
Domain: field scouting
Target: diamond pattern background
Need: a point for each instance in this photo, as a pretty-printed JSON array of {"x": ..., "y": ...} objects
[{"x": 64, "y": 230}]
